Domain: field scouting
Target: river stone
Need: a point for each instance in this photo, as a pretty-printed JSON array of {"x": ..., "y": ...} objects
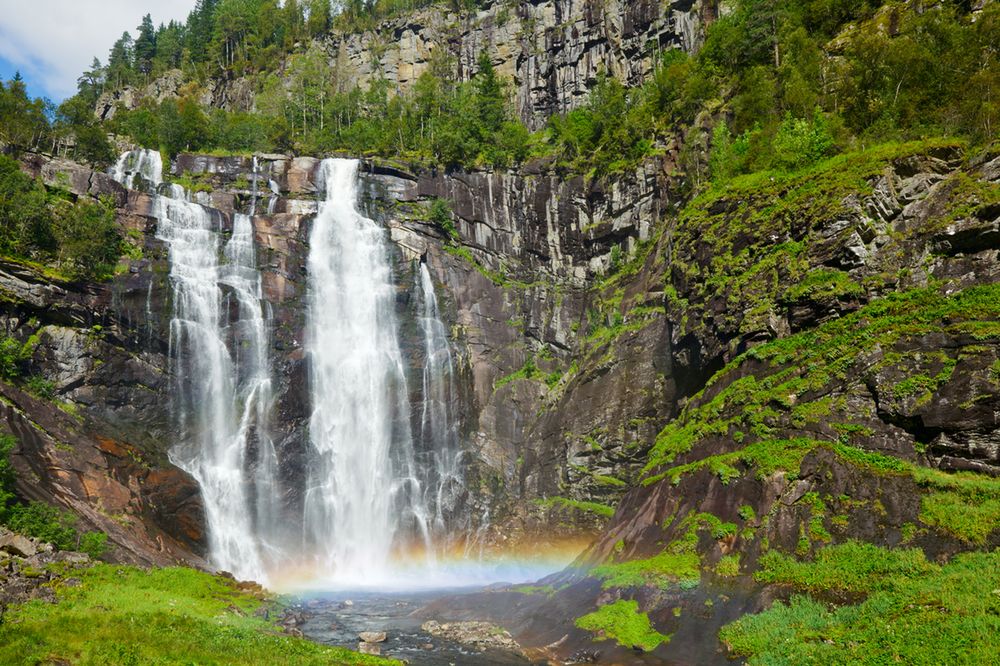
[{"x": 372, "y": 636}]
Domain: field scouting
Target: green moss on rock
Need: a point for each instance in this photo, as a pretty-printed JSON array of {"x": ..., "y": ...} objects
[{"x": 623, "y": 623}]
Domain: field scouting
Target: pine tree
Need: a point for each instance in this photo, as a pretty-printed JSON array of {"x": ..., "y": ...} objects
[
  {"x": 145, "y": 46},
  {"x": 120, "y": 62},
  {"x": 319, "y": 18}
]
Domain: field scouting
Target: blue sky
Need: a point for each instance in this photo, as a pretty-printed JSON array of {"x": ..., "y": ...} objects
[{"x": 52, "y": 42}]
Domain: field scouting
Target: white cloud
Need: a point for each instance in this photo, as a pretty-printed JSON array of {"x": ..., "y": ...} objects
[{"x": 54, "y": 41}]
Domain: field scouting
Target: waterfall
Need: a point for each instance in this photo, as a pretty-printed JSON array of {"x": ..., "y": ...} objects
[
  {"x": 438, "y": 423},
  {"x": 146, "y": 165},
  {"x": 382, "y": 476},
  {"x": 222, "y": 397},
  {"x": 362, "y": 492}
]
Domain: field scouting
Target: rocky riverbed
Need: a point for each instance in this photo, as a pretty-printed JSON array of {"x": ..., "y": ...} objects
[{"x": 343, "y": 619}]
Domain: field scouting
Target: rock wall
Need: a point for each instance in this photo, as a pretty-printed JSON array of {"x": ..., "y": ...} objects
[
  {"x": 95, "y": 440},
  {"x": 551, "y": 50}
]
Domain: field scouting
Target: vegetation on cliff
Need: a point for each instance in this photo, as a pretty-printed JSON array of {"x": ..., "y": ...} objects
[
  {"x": 81, "y": 239},
  {"x": 914, "y": 611},
  {"x": 777, "y": 85},
  {"x": 623, "y": 623}
]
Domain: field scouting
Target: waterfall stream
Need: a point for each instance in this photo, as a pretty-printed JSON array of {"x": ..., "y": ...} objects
[
  {"x": 438, "y": 422},
  {"x": 383, "y": 475},
  {"x": 362, "y": 489},
  {"x": 222, "y": 397}
]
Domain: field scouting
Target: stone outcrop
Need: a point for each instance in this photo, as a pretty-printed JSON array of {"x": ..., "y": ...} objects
[
  {"x": 551, "y": 50},
  {"x": 28, "y": 568}
]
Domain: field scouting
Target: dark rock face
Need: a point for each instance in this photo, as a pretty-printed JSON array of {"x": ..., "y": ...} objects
[
  {"x": 97, "y": 444},
  {"x": 514, "y": 286}
]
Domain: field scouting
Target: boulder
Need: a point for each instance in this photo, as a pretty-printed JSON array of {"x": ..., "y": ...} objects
[{"x": 15, "y": 544}]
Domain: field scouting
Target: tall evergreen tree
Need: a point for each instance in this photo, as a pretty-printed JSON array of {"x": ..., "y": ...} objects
[
  {"x": 319, "y": 17},
  {"x": 145, "y": 46},
  {"x": 120, "y": 61}
]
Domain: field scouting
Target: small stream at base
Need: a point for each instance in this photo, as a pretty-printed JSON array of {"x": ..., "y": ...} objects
[{"x": 336, "y": 618}]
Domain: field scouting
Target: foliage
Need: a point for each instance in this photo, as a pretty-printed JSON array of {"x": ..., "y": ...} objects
[
  {"x": 612, "y": 132},
  {"x": 439, "y": 214},
  {"x": 125, "y": 615},
  {"x": 88, "y": 238},
  {"x": 668, "y": 568},
  {"x": 12, "y": 355},
  {"x": 23, "y": 121},
  {"x": 916, "y": 612},
  {"x": 728, "y": 566},
  {"x": 623, "y": 623},
  {"x": 849, "y": 567},
  {"x": 25, "y": 217},
  {"x": 81, "y": 238}
]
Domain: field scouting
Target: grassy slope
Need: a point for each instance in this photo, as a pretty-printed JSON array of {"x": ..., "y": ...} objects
[
  {"x": 916, "y": 612},
  {"x": 124, "y": 615}
]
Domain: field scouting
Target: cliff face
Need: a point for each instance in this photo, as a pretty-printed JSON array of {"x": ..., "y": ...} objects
[
  {"x": 551, "y": 50},
  {"x": 834, "y": 344}
]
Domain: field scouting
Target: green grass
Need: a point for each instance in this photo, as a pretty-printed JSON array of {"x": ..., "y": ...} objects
[
  {"x": 916, "y": 612},
  {"x": 848, "y": 567},
  {"x": 729, "y": 566},
  {"x": 678, "y": 564},
  {"x": 126, "y": 616},
  {"x": 969, "y": 520},
  {"x": 623, "y": 623}
]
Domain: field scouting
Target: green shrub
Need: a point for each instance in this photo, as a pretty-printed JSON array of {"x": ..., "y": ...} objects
[
  {"x": 12, "y": 356},
  {"x": 41, "y": 387}
]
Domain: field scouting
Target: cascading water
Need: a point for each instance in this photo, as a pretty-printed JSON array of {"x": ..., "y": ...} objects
[
  {"x": 222, "y": 399},
  {"x": 438, "y": 423},
  {"x": 382, "y": 476},
  {"x": 146, "y": 165},
  {"x": 362, "y": 491}
]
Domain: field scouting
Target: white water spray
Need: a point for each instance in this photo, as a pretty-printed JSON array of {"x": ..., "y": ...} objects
[
  {"x": 438, "y": 422},
  {"x": 222, "y": 398},
  {"x": 362, "y": 492}
]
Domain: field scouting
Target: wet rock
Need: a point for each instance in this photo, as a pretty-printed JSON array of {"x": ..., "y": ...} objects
[
  {"x": 365, "y": 647},
  {"x": 372, "y": 636}
]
